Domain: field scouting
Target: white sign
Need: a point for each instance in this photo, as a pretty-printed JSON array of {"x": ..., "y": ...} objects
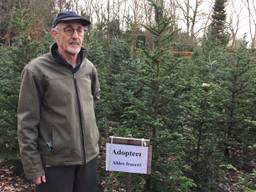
[{"x": 126, "y": 158}]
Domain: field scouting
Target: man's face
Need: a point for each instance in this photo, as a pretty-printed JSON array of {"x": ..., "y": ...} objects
[{"x": 69, "y": 37}]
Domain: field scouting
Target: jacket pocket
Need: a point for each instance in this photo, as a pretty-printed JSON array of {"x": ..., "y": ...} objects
[{"x": 60, "y": 141}]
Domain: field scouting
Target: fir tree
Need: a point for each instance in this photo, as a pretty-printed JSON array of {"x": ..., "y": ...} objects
[{"x": 216, "y": 33}]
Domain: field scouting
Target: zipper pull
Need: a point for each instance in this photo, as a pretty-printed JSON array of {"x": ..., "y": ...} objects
[
  {"x": 49, "y": 146},
  {"x": 74, "y": 75}
]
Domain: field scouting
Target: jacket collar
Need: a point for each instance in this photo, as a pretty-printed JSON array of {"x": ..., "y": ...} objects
[{"x": 60, "y": 60}]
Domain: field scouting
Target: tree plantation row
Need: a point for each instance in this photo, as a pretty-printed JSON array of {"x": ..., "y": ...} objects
[{"x": 196, "y": 101}]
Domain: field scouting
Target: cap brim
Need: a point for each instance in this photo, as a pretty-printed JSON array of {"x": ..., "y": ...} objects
[{"x": 81, "y": 20}]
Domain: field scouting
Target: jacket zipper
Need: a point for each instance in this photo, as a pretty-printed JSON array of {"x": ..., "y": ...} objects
[{"x": 80, "y": 118}]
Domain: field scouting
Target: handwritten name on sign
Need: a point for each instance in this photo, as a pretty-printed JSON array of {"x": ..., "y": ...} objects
[{"x": 127, "y": 158}]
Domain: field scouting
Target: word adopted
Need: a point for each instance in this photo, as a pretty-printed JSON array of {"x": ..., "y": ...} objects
[{"x": 126, "y": 153}]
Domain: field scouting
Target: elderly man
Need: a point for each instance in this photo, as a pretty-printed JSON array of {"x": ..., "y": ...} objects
[{"x": 57, "y": 131}]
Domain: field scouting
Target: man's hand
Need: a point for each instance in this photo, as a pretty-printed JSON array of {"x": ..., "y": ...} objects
[{"x": 39, "y": 180}]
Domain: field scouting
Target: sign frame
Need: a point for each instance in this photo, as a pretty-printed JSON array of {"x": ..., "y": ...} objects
[{"x": 130, "y": 141}]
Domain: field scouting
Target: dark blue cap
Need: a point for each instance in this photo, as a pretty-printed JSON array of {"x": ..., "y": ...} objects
[{"x": 70, "y": 16}]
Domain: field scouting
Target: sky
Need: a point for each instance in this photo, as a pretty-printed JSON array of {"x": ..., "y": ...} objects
[{"x": 233, "y": 7}]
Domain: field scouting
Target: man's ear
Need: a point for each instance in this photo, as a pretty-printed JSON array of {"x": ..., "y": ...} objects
[{"x": 54, "y": 34}]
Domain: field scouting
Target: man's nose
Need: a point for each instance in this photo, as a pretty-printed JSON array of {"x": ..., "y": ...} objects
[{"x": 75, "y": 34}]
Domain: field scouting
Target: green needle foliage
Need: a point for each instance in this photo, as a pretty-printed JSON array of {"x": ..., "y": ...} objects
[
  {"x": 198, "y": 112},
  {"x": 13, "y": 58},
  {"x": 217, "y": 34}
]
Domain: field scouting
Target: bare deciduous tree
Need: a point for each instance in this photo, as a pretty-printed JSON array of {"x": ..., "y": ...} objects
[
  {"x": 190, "y": 11},
  {"x": 97, "y": 13},
  {"x": 233, "y": 24},
  {"x": 251, "y": 8}
]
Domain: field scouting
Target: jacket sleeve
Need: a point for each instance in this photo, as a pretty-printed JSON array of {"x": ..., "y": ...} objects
[
  {"x": 28, "y": 118},
  {"x": 95, "y": 84}
]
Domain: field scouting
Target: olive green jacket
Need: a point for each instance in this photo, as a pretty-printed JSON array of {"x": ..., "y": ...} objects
[{"x": 56, "y": 119}]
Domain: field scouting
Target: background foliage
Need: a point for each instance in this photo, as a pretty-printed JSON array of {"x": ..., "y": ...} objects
[{"x": 198, "y": 110}]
